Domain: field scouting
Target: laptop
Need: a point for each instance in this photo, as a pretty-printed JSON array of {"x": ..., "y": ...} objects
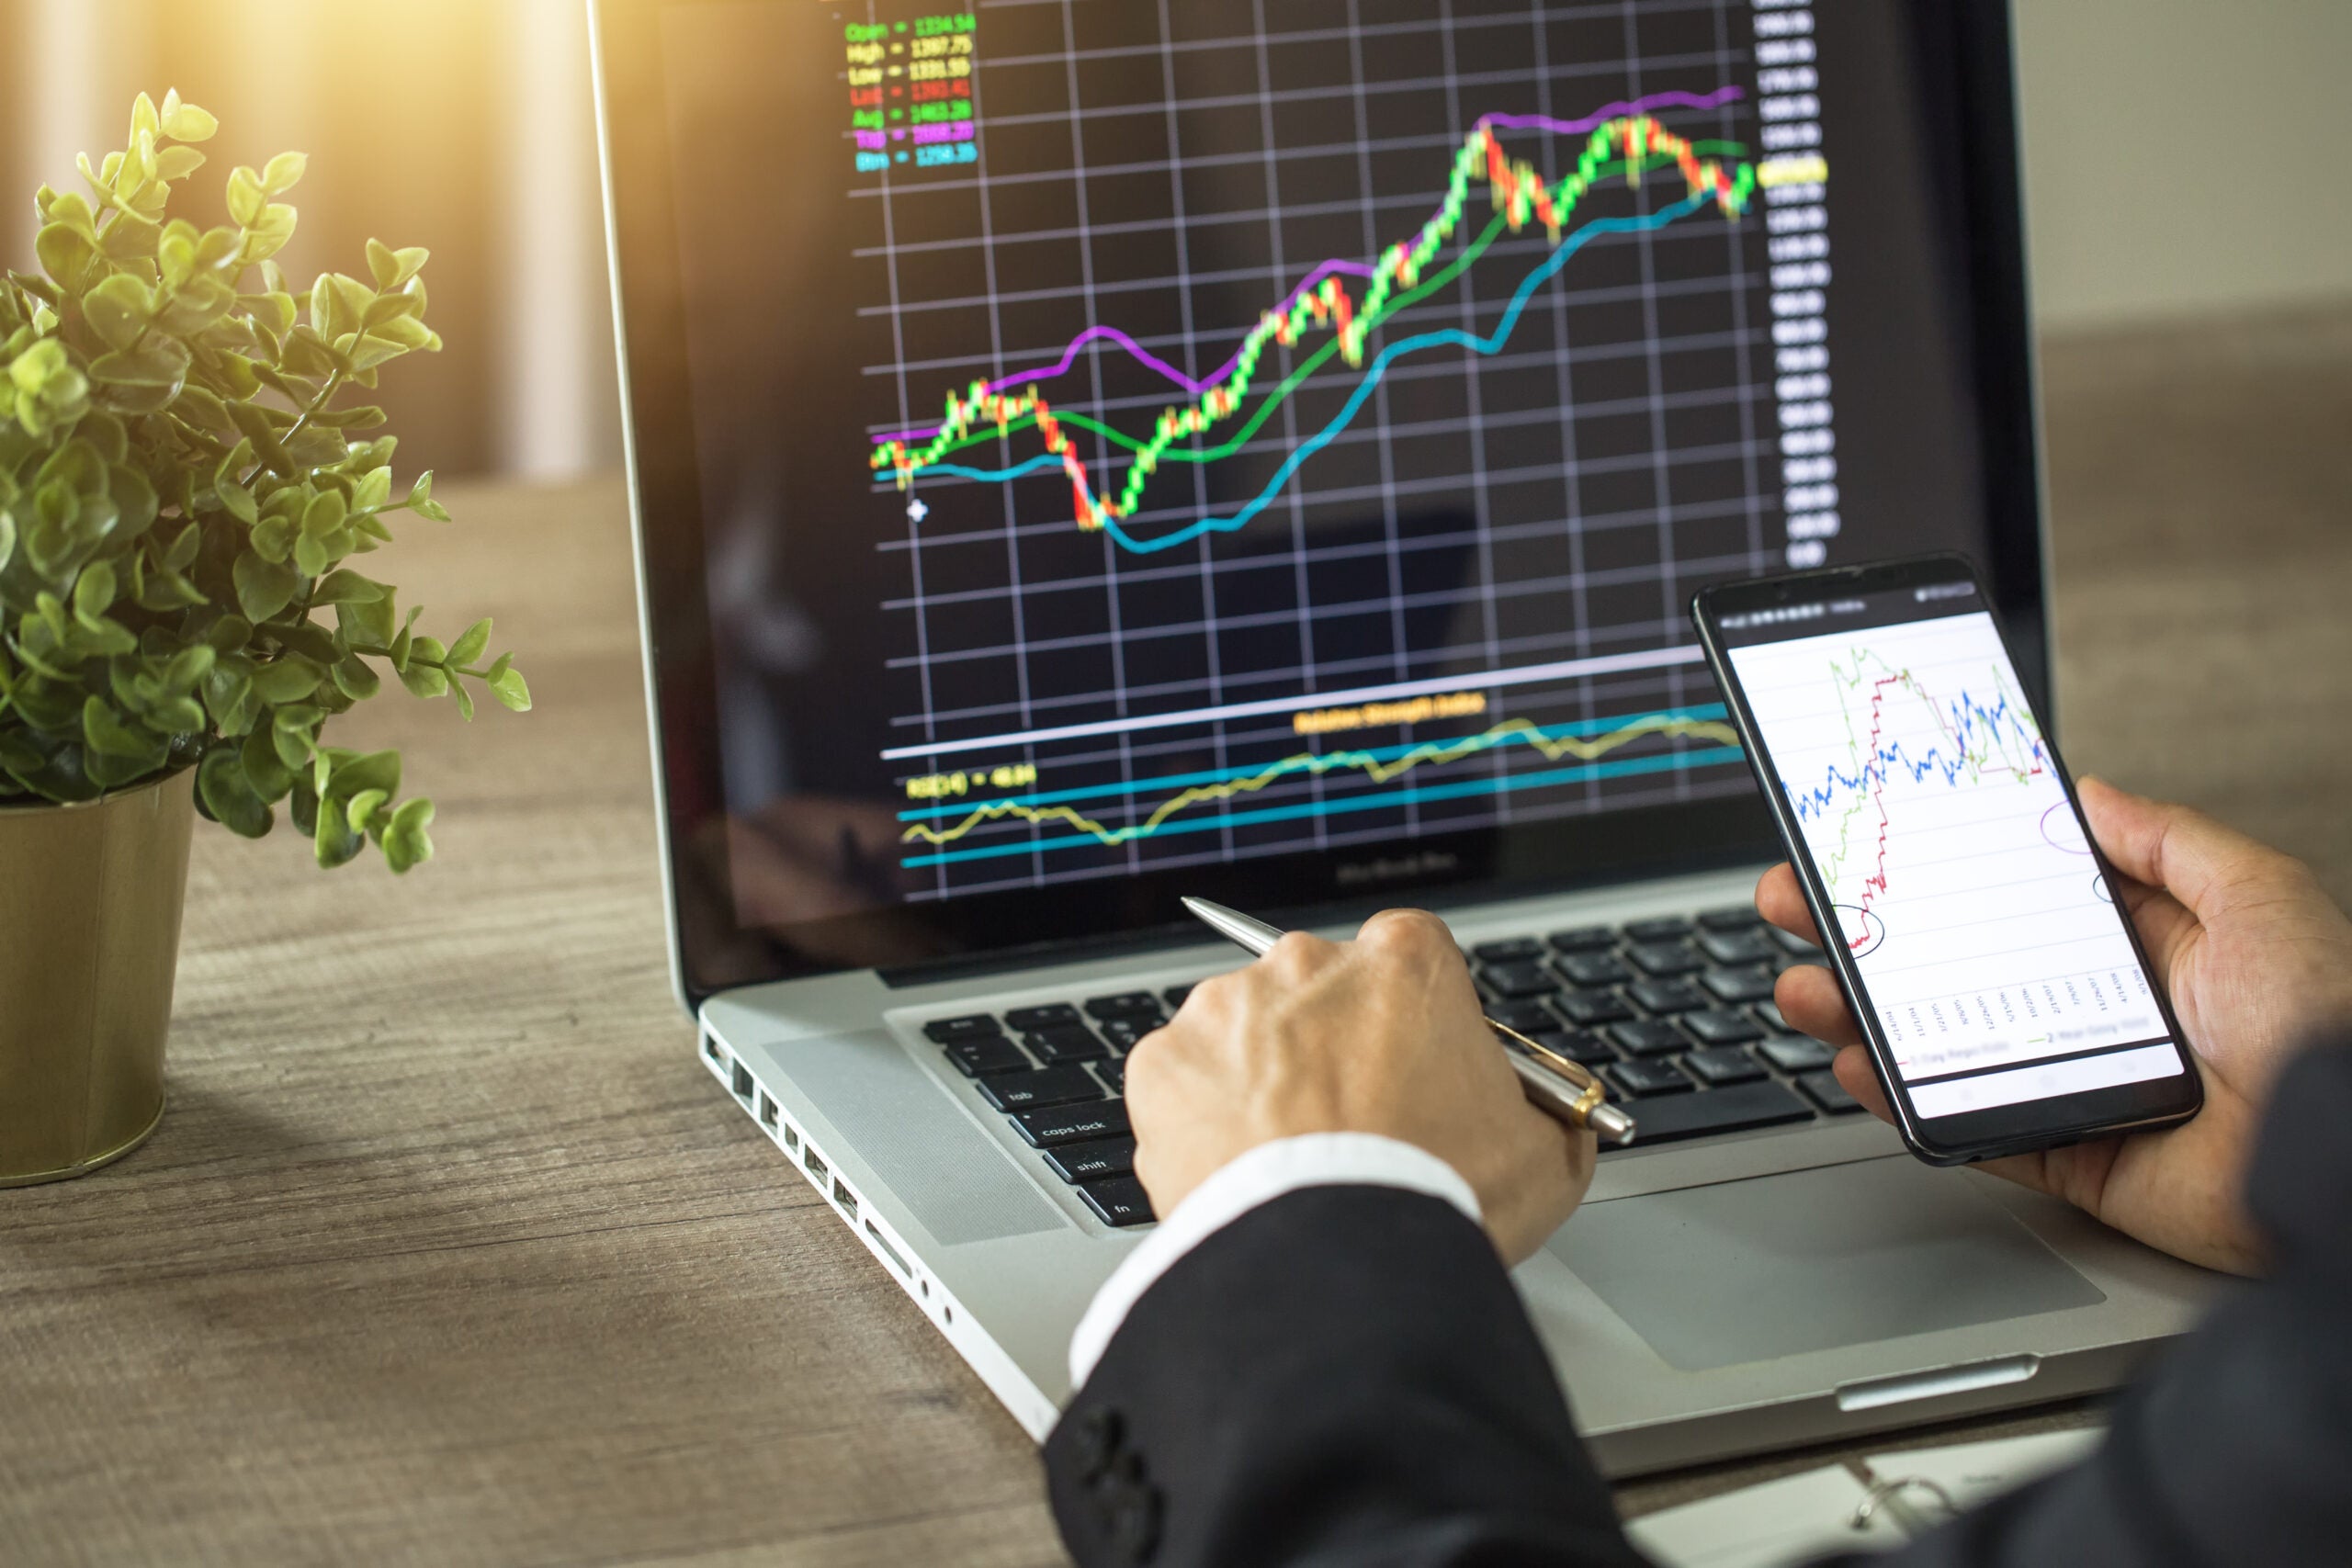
[{"x": 1089, "y": 452}]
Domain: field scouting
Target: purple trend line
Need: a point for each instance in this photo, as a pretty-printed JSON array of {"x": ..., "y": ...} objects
[{"x": 1151, "y": 361}]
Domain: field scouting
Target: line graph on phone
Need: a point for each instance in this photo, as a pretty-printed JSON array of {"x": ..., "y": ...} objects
[{"x": 1935, "y": 816}]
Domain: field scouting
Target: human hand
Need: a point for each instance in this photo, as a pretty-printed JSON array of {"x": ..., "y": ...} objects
[
  {"x": 2257, "y": 961},
  {"x": 1381, "y": 1034}
]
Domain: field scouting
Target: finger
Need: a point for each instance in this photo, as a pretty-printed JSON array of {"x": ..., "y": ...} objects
[
  {"x": 2183, "y": 852},
  {"x": 1809, "y": 998},
  {"x": 1854, "y": 1076},
  {"x": 1780, "y": 900},
  {"x": 1406, "y": 928},
  {"x": 2162, "y": 922}
]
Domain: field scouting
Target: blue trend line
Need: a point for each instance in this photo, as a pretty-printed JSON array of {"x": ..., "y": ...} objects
[
  {"x": 1967, "y": 717},
  {"x": 1492, "y": 344}
]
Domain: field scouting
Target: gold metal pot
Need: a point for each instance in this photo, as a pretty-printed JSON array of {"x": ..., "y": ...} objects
[{"x": 90, "y": 901}]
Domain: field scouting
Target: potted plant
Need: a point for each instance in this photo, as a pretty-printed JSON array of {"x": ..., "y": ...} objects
[{"x": 183, "y": 486}]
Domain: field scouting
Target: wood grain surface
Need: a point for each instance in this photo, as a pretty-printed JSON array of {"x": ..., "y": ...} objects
[{"x": 447, "y": 1251}]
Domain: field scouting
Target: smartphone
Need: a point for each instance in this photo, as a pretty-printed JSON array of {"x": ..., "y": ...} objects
[{"x": 2006, "y": 1001}]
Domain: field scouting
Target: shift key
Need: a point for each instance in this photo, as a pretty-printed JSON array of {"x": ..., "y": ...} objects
[{"x": 1072, "y": 1124}]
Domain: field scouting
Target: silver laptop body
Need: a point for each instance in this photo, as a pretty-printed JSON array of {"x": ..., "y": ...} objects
[{"x": 1750, "y": 1289}]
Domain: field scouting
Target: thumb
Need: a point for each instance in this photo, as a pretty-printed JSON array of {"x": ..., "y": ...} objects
[{"x": 2184, "y": 852}]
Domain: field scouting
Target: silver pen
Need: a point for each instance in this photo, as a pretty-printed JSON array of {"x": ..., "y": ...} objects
[{"x": 1563, "y": 1089}]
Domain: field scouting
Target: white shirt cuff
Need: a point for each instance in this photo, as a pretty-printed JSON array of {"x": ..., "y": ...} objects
[{"x": 1265, "y": 1173}]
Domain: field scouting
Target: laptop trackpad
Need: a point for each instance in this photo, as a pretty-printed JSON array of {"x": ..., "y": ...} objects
[{"x": 1843, "y": 1255}]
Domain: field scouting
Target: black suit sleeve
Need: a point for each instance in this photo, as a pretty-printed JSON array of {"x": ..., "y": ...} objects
[{"x": 1345, "y": 1376}]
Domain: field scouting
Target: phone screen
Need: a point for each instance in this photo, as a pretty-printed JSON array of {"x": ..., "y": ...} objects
[{"x": 1987, "y": 940}]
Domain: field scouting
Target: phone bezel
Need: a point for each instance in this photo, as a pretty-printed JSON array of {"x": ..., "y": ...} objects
[{"x": 1969, "y": 1135}]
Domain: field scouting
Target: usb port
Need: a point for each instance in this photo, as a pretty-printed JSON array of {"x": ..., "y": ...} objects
[
  {"x": 815, "y": 1162},
  {"x": 710, "y": 1049},
  {"x": 791, "y": 1138},
  {"x": 767, "y": 1112},
  {"x": 844, "y": 1197},
  {"x": 743, "y": 1085}
]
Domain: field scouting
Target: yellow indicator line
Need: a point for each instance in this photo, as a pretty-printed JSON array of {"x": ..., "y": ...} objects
[{"x": 1308, "y": 762}]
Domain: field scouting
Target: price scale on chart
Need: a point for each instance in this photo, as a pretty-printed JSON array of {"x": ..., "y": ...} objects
[{"x": 1950, "y": 851}]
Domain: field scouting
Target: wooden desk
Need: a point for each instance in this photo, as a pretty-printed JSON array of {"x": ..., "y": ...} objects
[{"x": 448, "y": 1252}]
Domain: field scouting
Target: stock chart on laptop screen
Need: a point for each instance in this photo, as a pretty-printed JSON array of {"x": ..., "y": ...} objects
[{"x": 1142, "y": 433}]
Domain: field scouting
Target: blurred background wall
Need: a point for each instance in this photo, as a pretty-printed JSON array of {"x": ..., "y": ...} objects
[{"x": 2177, "y": 161}]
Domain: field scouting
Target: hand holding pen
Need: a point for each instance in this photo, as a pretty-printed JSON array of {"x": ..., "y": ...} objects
[
  {"x": 1561, "y": 1088},
  {"x": 1379, "y": 1036}
]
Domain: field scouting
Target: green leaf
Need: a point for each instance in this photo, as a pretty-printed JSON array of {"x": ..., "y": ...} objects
[
  {"x": 262, "y": 587},
  {"x": 305, "y": 806},
  {"x": 470, "y": 644},
  {"x": 283, "y": 172},
  {"x": 289, "y": 679},
  {"x": 239, "y": 502},
  {"x": 180, "y": 554},
  {"x": 508, "y": 687},
  {"x": 309, "y": 555},
  {"x": 333, "y": 840},
  {"x": 93, "y": 593},
  {"x": 406, "y": 844},
  {"x": 356, "y": 680},
  {"x": 104, "y": 733},
  {"x": 425, "y": 681},
  {"x": 117, "y": 309},
  {"x": 361, "y": 812},
  {"x": 463, "y": 698},
  {"x": 377, "y": 769},
  {"x": 185, "y": 122},
  {"x": 188, "y": 666},
  {"x": 246, "y": 197},
  {"x": 230, "y": 795},
  {"x": 264, "y": 770},
  {"x": 347, "y": 588}
]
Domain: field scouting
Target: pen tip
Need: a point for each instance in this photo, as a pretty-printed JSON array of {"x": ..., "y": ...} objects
[{"x": 1194, "y": 906}]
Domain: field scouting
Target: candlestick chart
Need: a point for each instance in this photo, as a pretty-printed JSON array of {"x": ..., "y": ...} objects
[{"x": 1620, "y": 148}]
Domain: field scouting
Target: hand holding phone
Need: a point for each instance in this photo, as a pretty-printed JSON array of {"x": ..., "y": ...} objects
[
  {"x": 2259, "y": 962},
  {"x": 1971, "y": 925}
]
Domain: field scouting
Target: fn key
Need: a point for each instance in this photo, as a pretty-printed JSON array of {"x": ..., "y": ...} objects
[{"x": 1118, "y": 1199}]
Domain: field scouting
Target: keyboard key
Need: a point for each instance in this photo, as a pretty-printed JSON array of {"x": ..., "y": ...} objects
[
  {"x": 1074, "y": 1123},
  {"x": 1599, "y": 968},
  {"x": 1722, "y": 1065},
  {"x": 1051, "y": 1016},
  {"x": 1721, "y": 1026},
  {"x": 1514, "y": 982},
  {"x": 1048, "y": 1085},
  {"x": 1582, "y": 939},
  {"x": 1069, "y": 1042},
  {"x": 1123, "y": 1033},
  {"x": 1739, "y": 985},
  {"x": 1648, "y": 1037},
  {"x": 1794, "y": 945},
  {"x": 1512, "y": 950},
  {"x": 1749, "y": 947},
  {"x": 1660, "y": 927},
  {"x": 1664, "y": 958},
  {"x": 1717, "y": 1110},
  {"x": 1667, "y": 996},
  {"x": 1114, "y": 1073},
  {"x": 1575, "y": 1044},
  {"x": 988, "y": 1056},
  {"x": 1642, "y": 1079},
  {"x": 1127, "y": 1004},
  {"x": 1769, "y": 1012},
  {"x": 1118, "y": 1200},
  {"x": 1824, "y": 1089},
  {"x": 1174, "y": 996},
  {"x": 972, "y": 1026},
  {"x": 1586, "y": 1008},
  {"x": 1796, "y": 1052},
  {"x": 1528, "y": 1017},
  {"x": 1096, "y": 1157},
  {"x": 1730, "y": 917}
]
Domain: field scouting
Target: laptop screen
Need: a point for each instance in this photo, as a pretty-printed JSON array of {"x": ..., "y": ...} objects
[{"x": 1265, "y": 447}]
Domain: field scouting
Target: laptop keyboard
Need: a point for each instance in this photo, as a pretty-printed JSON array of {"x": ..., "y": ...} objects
[{"x": 1675, "y": 1016}]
